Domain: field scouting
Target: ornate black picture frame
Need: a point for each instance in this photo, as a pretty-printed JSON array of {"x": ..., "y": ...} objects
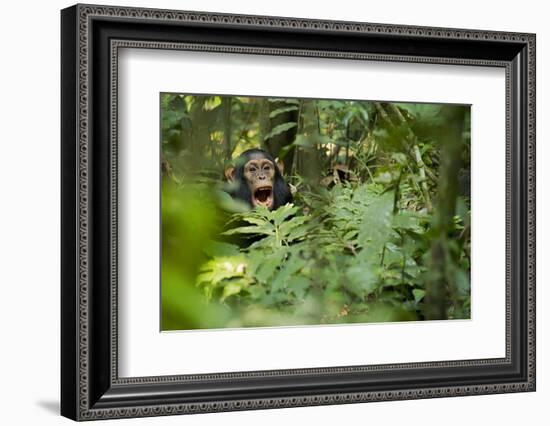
[{"x": 91, "y": 387}]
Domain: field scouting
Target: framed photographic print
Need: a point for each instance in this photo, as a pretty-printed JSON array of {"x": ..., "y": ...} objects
[{"x": 263, "y": 212}]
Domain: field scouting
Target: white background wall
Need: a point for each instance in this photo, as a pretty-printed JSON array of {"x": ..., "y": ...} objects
[{"x": 29, "y": 212}]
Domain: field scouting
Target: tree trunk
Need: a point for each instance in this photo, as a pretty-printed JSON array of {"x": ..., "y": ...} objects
[
  {"x": 274, "y": 144},
  {"x": 227, "y": 103},
  {"x": 441, "y": 276}
]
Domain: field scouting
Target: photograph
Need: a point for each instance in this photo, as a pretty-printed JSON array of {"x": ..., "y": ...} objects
[
  {"x": 264, "y": 211},
  {"x": 281, "y": 211}
]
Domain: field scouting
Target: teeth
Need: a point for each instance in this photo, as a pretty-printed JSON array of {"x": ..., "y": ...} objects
[{"x": 263, "y": 196}]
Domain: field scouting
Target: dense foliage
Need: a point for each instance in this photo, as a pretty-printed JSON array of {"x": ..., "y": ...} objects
[{"x": 379, "y": 229}]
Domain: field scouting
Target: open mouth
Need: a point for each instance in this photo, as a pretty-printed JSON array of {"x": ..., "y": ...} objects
[{"x": 263, "y": 197}]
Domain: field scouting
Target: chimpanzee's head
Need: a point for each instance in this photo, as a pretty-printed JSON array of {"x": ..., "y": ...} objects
[{"x": 259, "y": 180}]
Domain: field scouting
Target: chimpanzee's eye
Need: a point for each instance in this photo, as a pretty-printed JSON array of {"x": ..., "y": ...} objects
[
  {"x": 252, "y": 169},
  {"x": 267, "y": 167}
]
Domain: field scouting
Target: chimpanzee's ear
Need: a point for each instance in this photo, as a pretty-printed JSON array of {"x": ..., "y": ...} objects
[
  {"x": 230, "y": 173},
  {"x": 280, "y": 165}
]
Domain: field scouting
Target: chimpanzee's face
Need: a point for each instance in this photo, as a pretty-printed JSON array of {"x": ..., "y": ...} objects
[
  {"x": 259, "y": 173},
  {"x": 258, "y": 180}
]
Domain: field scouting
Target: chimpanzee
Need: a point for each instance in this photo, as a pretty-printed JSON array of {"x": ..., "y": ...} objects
[{"x": 259, "y": 180}]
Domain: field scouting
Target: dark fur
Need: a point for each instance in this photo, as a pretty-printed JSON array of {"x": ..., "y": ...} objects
[{"x": 281, "y": 191}]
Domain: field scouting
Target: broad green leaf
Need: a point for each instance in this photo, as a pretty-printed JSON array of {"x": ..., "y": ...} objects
[
  {"x": 376, "y": 226},
  {"x": 288, "y": 228},
  {"x": 282, "y": 110},
  {"x": 285, "y": 100},
  {"x": 282, "y": 213},
  {"x": 260, "y": 221},
  {"x": 263, "y": 230},
  {"x": 277, "y": 130}
]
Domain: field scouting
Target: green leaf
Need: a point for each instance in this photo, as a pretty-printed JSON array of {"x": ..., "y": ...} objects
[
  {"x": 172, "y": 119},
  {"x": 223, "y": 267},
  {"x": 294, "y": 229},
  {"x": 282, "y": 110},
  {"x": 290, "y": 267},
  {"x": 299, "y": 286},
  {"x": 254, "y": 220},
  {"x": 426, "y": 112},
  {"x": 350, "y": 235},
  {"x": 285, "y": 100},
  {"x": 280, "y": 129},
  {"x": 268, "y": 267},
  {"x": 409, "y": 220},
  {"x": 462, "y": 281},
  {"x": 263, "y": 230},
  {"x": 227, "y": 203},
  {"x": 418, "y": 294},
  {"x": 376, "y": 226},
  {"x": 232, "y": 288},
  {"x": 361, "y": 279},
  {"x": 283, "y": 213},
  {"x": 212, "y": 103}
]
